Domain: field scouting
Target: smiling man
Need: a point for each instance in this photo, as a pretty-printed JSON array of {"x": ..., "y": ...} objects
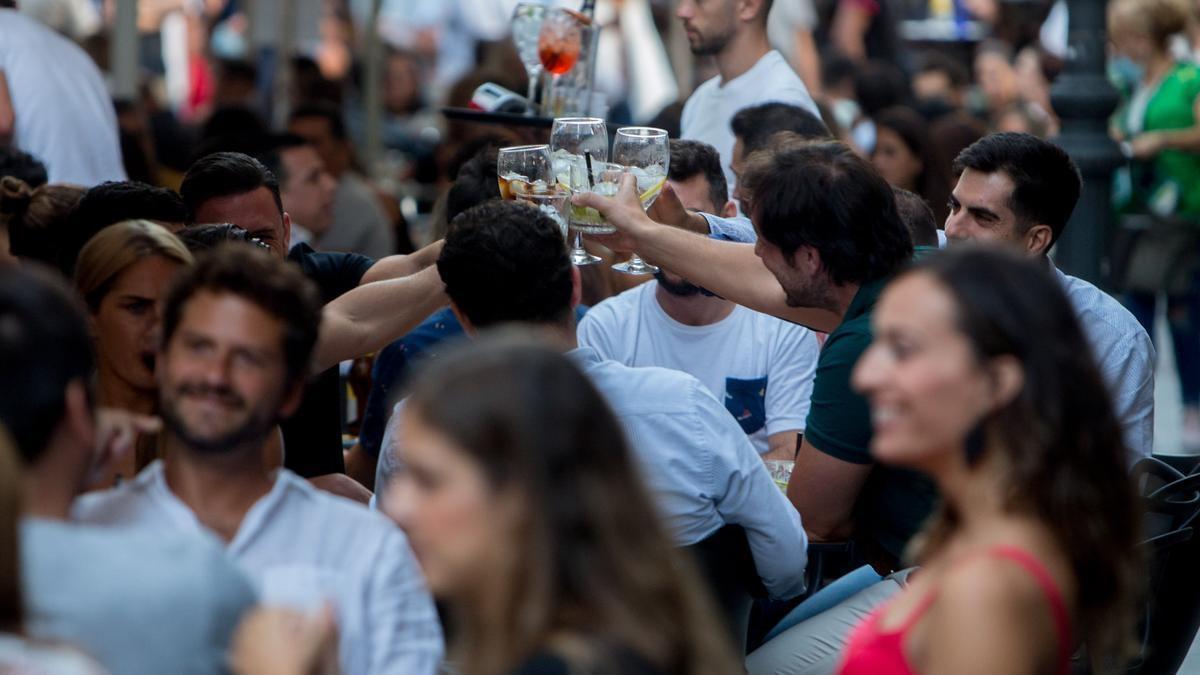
[
  {"x": 238, "y": 333},
  {"x": 1018, "y": 190}
]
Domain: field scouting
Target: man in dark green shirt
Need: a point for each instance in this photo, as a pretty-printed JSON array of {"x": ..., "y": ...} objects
[{"x": 829, "y": 239}]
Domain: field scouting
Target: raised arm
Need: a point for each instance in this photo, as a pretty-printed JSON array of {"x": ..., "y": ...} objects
[
  {"x": 369, "y": 317},
  {"x": 8, "y": 118},
  {"x": 730, "y": 270},
  {"x": 398, "y": 266}
]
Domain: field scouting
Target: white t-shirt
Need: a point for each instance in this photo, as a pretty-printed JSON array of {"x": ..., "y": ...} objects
[
  {"x": 759, "y": 366},
  {"x": 64, "y": 114},
  {"x": 302, "y": 547},
  {"x": 708, "y": 111}
]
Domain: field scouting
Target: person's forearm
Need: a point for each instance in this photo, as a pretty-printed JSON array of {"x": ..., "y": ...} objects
[
  {"x": 732, "y": 271},
  {"x": 397, "y": 266},
  {"x": 369, "y": 317},
  {"x": 1187, "y": 140}
]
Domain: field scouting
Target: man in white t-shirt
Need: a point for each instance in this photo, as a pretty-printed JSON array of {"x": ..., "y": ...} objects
[
  {"x": 238, "y": 334},
  {"x": 53, "y": 104},
  {"x": 761, "y": 367},
  {"x": 749, "y": 71}
]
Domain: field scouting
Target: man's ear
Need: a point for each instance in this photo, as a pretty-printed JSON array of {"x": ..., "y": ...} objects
[
  {"x": 806, "y": 258},
  {"x": 749, "y": 10},
  {"x": 729, "y": 210},
  {"x": 468, "y": 328},
  {"x": 287, "y": 233},
  {"x": 78, "y": 422},
  {"x": 1038, "y": 238},
  {"x": 576, "y": 287},
  {"x": 292, "y": 399}
]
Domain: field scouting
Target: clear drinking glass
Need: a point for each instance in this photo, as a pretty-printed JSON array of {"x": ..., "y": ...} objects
[
  {"x": 524, "y": 169},
  {"x": 576, "y": 142},
  {"x": 559, "y": 43},
  {"x": 645, "y": 152},
  {"x": 526, "y": 26}
]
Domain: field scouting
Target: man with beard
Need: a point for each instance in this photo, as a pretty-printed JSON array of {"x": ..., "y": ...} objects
[
  {"x": 734, "y": 32},
  {"x": 759, "y": 366},
  {"x": 829, "y": 239},
  {"x": 238, "y": 333}
]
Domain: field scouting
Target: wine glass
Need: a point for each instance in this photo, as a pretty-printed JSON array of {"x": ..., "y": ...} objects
[
  {"x": 576, "y": 143},
  {"x": 524, "y": 169},
  {"x": 645, "y": 152},
  {"x": 526, "y": 25},
  {"x": 559, "y": 43}
]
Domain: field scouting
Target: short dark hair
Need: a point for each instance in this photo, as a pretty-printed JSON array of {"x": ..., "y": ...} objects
[
  {"x": 937, "y": 62},
  {"x": 821, "y": 194},
  {"x": 696, "y": 158},
  {"x": 757, "y": 124},
  {"x": 44, "y": 346},
  {"x": 1046, "y": 182},
  {"x": 326, "y": 111},
  {"x": 917, "y": 217},
  {"x": 272, "y": 155},
  {"x": 225, "y": 174},
  {"x": 880, "y": 84},
  {"x": 507, "y": 262},
  {"x": 114, "y": 202},
  {"x": 23, "y": 165},
  {"x": 475, "y": 184},
  {"x": 255, "y": 275},
  {"x": 201, "y": 238}
]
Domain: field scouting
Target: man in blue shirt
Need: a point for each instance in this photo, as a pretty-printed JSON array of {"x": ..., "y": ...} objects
[{"x": 504, "y": 262}]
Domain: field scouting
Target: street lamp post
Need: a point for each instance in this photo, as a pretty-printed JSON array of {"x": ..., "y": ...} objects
[{"x": 1084, "y": 99}]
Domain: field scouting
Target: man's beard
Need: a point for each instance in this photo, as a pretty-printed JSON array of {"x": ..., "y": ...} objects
[
  {"x": 813, "y": 293},
  {"x": 711, "y": 45},
  {"x": 252, "y": 430},
  {"x": 681, "y": 288}
]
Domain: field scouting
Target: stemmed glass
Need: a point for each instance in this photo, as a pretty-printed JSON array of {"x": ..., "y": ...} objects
[
  {"x": 576, "y": 143},
  {"x": 526, "y": 174},
  {"x": 526, "y": 26},
  {"x": 645, "y": 152},
  {"x": 524, "y": 169},
  {"x": 559, "y": 43}
]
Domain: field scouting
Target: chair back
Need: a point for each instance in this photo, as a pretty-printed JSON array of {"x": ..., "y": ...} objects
[{"x": 727, "y": 564}]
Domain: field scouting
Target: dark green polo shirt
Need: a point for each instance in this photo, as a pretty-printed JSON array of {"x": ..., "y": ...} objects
[{"x": 894, "y": 502}]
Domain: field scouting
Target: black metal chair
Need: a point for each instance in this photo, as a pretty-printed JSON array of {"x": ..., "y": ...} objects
[{"x": 727, "y": 564}]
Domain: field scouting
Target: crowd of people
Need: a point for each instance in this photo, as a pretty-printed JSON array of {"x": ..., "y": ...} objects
[{"x": 266, "y": 409}]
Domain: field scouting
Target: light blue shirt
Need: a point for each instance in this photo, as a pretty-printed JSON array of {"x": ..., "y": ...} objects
[
  {"x": 1125, "y": 355},
  {"x": 738, "y": 229},
  {"x": 700, "y": 466},
  {"x": 137, "y": 603}
]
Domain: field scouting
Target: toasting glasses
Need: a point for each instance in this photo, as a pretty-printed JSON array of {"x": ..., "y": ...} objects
[
  {"x": 645, "y": 152},
  {"x": 579, "y": 151}
]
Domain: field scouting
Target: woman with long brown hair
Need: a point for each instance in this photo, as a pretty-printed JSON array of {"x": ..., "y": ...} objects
[
  {"x": 979, "y": 376},
  {"x": 522, "y": 502}
]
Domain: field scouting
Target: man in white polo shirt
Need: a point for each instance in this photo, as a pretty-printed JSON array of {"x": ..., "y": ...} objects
[
  {"x": 759, "y": 366},
  {"x": 750, "y": 72},
  {"x": 238, "y": 333}
]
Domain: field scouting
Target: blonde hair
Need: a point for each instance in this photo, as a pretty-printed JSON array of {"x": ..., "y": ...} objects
[
  {"x": 118, "y": 247},
  {"x": 11, "y": 605},
  {"x": 34, "y": 216},
  {"x": 1158, "y": 19}
]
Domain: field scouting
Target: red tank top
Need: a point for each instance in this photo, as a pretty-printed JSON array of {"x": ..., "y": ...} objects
[{"x": 873, "y": 651}]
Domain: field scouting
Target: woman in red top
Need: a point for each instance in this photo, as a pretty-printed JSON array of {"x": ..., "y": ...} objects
[{"x": 980, "y": 377}]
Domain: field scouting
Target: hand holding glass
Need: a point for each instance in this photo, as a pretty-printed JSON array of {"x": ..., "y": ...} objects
[{"x": 645, "y": 152}]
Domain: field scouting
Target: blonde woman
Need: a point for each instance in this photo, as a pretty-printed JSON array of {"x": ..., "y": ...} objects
[{"x": 121, "y": 275}]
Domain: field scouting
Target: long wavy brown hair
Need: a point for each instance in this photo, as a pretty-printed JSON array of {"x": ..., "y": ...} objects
[
  {"x": 1062, "y": 446},
  {"x": 593, "y": 570}
]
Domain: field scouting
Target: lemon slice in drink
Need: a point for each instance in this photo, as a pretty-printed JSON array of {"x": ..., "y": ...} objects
[{"x": 650, "y": 193}]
